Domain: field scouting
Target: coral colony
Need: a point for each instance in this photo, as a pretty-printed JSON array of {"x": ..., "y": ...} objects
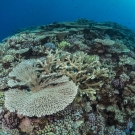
[{"x": 70, "y": 78}]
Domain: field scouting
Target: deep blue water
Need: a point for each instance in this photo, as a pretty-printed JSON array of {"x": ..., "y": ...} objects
[{"x": 16, "y": 14}]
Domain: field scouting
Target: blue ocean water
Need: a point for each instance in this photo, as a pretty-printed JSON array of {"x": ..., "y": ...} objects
[{"x": 16, "y": 15}]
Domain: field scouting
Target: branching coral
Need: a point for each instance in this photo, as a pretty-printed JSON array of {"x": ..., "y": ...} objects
[
  {"x": 62, "y": 45},
  {"x": 128, "y": 93},
  {"x": 52, "y": 61},
  {"x": 80, "y": 67},
  {"x": 3, "y": 49},
  {"x": 22, "y": 40},
  {"x": 125, "y": 59},
  {"x": 119, "y": 47},
  {"x": 7, "y": 58},
  {"x": 119, "y": 83}
]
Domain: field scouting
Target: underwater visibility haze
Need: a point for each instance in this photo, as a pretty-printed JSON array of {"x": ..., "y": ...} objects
[
  {"x": 18, "y": 15},
  {"x": 67, "y": 67}
]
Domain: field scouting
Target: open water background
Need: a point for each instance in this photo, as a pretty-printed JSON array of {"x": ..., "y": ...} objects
[{"x": 19, "y": 14}]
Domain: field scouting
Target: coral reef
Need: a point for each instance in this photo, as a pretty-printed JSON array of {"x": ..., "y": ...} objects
[{"x": 68, "y": 78}]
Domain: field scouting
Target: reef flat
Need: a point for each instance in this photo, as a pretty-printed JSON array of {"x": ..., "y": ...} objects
[{"x": 68, "y": 78}]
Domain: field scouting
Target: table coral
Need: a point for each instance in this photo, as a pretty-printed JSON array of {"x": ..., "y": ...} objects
[
  {"x": 44, "y": 98},
  {"x": 107, "y": 42}
]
